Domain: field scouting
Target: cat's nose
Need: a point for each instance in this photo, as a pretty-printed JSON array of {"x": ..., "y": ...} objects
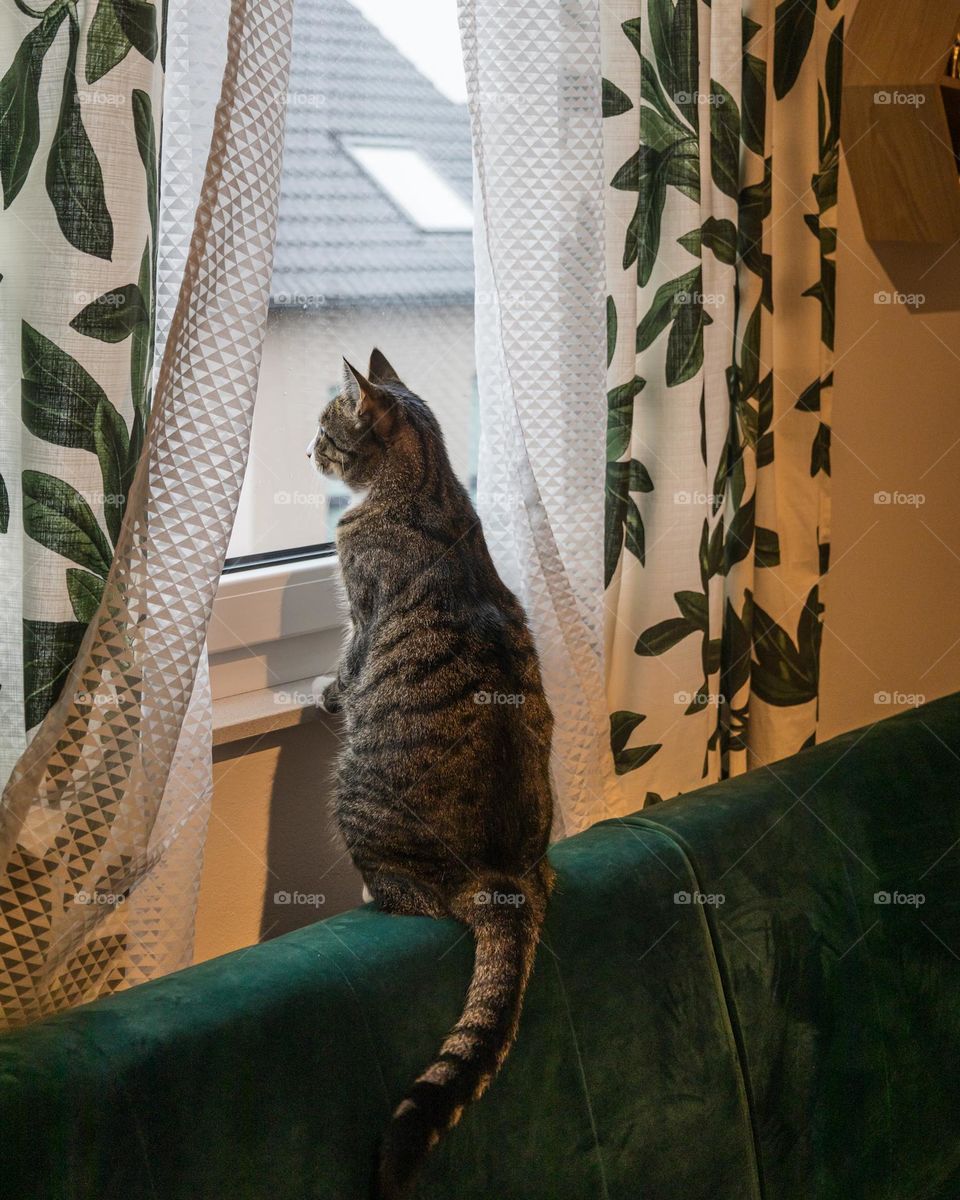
[{"x": 312, "y": 446}]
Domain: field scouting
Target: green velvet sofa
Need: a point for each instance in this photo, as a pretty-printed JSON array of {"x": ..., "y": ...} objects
[{"x": 750, "y": 993}]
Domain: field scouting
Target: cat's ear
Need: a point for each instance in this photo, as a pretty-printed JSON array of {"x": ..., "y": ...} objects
[
  {"x": 380, "y": 369},
  {"x": 368, "y": 400},
  {"x": 352, "y": 383}
]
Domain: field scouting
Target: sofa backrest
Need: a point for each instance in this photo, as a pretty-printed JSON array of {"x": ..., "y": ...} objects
[{"x": 749, "y": 993}]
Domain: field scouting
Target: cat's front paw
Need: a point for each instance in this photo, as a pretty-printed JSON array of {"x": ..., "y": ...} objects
[{"x": 328, "y": 697}]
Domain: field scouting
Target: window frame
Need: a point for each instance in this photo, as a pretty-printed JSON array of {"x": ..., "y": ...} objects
[
  {"x": 270, "y": 558},
  {"x": 276, "y": 624}
]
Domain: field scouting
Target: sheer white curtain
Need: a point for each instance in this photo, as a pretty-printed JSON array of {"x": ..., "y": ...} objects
[
  {"x": 110, "y": 799},
  {"x": 533, "y": 79},
  {"x": 708, "y": 442}
]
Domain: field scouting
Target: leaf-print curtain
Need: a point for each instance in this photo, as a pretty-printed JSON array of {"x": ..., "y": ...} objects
[
  {"x": 721, "y": 126},
  {"x": 533, "y": 83},
  {"x": 116, "y": 514},
  {"x": 79, "y": 98}
]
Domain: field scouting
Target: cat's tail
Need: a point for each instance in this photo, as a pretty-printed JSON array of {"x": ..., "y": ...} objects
[{"x": 506, "y": 916}]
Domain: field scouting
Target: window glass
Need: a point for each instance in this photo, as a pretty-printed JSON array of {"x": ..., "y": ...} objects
[{"x": 374, "y": 248}]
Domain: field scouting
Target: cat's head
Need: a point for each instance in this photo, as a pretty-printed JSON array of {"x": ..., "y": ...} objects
[{"x": 369, "y": 421}]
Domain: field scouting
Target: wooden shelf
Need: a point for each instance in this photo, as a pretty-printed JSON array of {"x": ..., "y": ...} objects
[{"x": 901, "y": 120}]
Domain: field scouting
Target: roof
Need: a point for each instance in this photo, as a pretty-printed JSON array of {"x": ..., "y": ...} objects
[{"x": 341, "y": 239}]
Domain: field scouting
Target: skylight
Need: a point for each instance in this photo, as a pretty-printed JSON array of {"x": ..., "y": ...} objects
[{"x": 413, "y": 184}]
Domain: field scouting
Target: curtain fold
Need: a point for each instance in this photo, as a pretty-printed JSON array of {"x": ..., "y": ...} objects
[
  {"x": 533, "y": 81},
  {"x": 103, "y": 815},
  {"x": 721, "y": 126},
  {"x": 695, "y": 214},
  {"x": 79, "y": 109}
]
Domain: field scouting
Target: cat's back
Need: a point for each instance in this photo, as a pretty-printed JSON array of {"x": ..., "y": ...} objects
[{"x": 447, "y": 644}]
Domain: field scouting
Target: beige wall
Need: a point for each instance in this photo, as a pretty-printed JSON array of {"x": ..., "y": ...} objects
[
  {"x": 892, "y": 623},
  {"x": 270, "y": 833}
]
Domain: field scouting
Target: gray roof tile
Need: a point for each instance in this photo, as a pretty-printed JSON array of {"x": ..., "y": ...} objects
[{"x": 341, "y": 239}]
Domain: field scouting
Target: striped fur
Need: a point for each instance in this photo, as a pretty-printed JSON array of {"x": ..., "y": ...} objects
[{"x": 443, "y": 792}]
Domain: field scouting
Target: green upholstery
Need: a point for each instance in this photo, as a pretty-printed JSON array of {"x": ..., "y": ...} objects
[
  {"x": 797, "y": 1040},
  {"x": 847, "y": 1011}
]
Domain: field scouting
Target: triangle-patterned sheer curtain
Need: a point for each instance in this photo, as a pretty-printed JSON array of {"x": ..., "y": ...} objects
[
  {"x": 533, "y": 81},
  {"x": 114, "y": 512},
  {"x": 666, "y": 529}
]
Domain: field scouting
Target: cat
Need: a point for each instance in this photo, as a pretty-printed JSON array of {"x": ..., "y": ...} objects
[{"x": 442, "y": 790}]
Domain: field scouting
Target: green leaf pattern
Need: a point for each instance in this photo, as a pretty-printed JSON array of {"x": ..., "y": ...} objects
[
  {"x": 718, "y": 446},
  {"x": 86, "y": 355},
  {"x": 74, "y": 177}
]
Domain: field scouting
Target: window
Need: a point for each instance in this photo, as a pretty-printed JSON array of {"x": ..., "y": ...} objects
[{"x": 374, "y": 248}]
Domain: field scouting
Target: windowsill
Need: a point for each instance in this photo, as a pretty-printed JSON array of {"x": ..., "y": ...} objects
[
  {"x": 281, "y": 601},
  {"x": 252, "y": 714},
  {"x": 271, "y": 625}
]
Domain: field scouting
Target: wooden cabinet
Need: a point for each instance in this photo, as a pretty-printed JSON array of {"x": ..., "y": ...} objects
[{"x": 901, "y": 119}]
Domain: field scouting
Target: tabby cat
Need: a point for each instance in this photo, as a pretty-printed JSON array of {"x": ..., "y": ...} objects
[{"x": 442, "y": 788}]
